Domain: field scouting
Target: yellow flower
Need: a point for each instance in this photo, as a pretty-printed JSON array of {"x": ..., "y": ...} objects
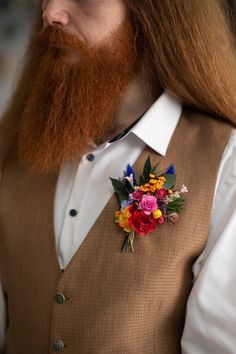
[
  {"x": 151, "y": 175},
  {"x": 121, "y": 217},
  {"x": 159, "y": 182},
  {"x": 153, "y": 185},
  {"x": 170, "y": 191},
  {"x": 144, "y": 189},
  {"x": 157, "y": 214}
]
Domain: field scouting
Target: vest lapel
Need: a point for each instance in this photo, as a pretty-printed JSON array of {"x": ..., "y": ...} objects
[
  {"x": 112, "y": 205},
  {"x": 192, "y": 156}
]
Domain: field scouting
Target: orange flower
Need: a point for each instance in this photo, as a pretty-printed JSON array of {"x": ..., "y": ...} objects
[{"x": 122, "y": 218}]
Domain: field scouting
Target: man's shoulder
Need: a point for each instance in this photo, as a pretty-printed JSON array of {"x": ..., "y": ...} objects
[
  {"x": 208, "y": 123},
  {"x": 203, "y": 117}
]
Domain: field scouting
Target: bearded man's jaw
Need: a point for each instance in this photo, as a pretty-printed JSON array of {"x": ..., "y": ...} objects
[{"x": 74, "y": 99}]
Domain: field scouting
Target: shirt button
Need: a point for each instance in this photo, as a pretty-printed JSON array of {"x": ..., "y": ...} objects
[
  {"x": 90, "y": 157},
  {"x": 58, "y": 345},
  {"x": 73, "y": 212},
  {"x": 60, "y": 298}
]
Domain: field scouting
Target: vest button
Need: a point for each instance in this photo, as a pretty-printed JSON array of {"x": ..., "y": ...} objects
[
  {"x": 60, "y": 298},
  {"x": 58, "y": 345}
]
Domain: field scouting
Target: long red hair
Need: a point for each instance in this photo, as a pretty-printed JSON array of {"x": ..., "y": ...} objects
[{"x": 188, "y": 47}]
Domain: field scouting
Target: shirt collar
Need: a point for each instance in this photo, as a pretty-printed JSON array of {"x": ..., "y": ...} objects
[{"x": 157, "y": 125}]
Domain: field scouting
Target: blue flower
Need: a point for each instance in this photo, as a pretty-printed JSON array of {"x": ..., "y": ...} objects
[
  {"x": 129, "y": 171},
  {"x": 170, "y": 170}
]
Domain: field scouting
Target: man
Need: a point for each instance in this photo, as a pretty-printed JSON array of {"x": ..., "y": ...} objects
[{"x": 104, "y": 86}]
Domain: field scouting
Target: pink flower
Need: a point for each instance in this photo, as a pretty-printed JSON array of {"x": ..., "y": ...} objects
[
  {"x": 148, "y": 204},
  {"x": 137, "y": 195},
  {"x": 141, "y": 223}
]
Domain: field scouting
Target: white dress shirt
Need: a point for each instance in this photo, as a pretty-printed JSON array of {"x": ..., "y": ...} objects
[
  {"x": 85, "y": 189},
  {"x": 210, "y": 326}
]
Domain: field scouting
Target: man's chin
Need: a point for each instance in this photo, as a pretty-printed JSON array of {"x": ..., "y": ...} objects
[{"x": 74, "y": 100}]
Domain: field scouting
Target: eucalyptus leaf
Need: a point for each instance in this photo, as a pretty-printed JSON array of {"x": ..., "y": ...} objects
[{"x": 170, "y": 181}]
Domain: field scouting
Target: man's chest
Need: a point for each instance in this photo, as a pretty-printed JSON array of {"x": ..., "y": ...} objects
[{"x": 83, "y": 191}]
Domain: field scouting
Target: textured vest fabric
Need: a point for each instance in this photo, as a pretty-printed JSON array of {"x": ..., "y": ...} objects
[{"x": 116, "y": 303}]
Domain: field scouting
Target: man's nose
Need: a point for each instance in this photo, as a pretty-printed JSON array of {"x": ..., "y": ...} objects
[{"x": 55, "y": 14}]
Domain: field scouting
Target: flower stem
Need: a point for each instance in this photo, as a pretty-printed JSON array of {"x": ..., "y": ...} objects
[{"x": 128, "y": 242}]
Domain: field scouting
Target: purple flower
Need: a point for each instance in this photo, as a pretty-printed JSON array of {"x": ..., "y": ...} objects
[
  {"x": 163, "y": 207},
  {"x": 148, "y": 204},
  {"x": 125, "y": 203},
  {"x": 173, "y": 217}
]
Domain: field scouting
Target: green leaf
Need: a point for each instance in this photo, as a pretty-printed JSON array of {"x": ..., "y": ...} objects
[
  {"x": 147, "y": 166},
  {"x": 154, "y": 169},
  {"x": 120, "y": 189},
  {"x": 141, "y": 181},
  {"x": 144, "y": 178},
  {"x": 176, "y": 205},
  {"x": 147, "y": 169},
  {"x": 170, "y": 181}
]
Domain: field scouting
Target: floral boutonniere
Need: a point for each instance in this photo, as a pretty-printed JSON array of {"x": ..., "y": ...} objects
[{"x": 146, "y": 202}]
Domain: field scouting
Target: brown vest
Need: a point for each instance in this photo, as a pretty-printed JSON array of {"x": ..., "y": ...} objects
[{"x": 115, "y": 303}]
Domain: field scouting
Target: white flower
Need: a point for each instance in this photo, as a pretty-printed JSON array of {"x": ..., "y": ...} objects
[
  {"x": 173, "y": 196},
  {"x": 130, "y": 179},
  {"x": 184, "y": 189}
]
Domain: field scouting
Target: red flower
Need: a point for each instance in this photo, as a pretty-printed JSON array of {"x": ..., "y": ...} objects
[
  {"x": 161, "y": 193},
  {"x": 142, "y": 223},
  {"x": 162, "y": 220},
  {"x": 137, "y": 195}
]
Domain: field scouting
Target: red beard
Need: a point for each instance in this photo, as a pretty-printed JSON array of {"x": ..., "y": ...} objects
[{"x": 76, "y": 93}]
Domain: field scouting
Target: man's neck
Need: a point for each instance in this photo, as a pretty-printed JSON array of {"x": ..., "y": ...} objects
[{"x": 136, "y": 101}]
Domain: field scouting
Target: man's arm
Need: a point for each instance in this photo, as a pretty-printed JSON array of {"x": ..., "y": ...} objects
[{"x": 2, "y": 319}]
